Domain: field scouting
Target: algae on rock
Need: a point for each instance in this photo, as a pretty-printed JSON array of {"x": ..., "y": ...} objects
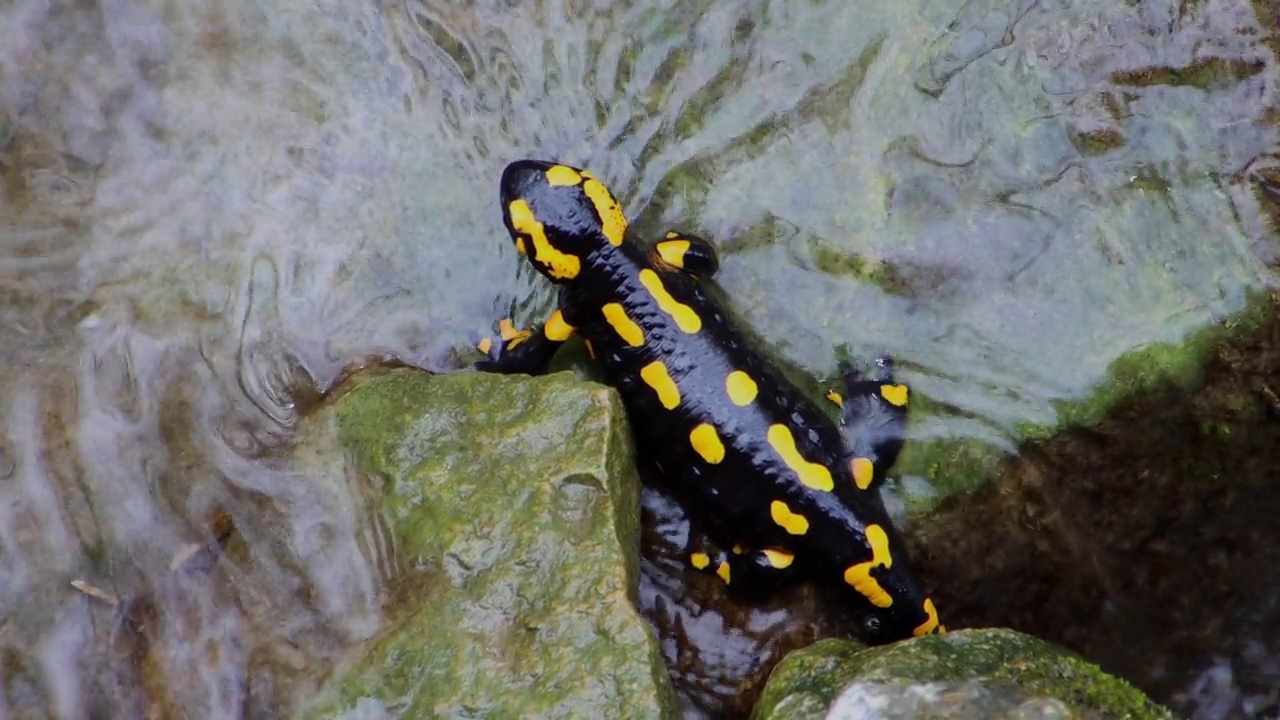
[
  {"x": 511, "y": 504},
  {"x": 993, "y": 673}
]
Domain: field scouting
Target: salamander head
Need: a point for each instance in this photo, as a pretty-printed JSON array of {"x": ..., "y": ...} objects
[{"x": 558, "y": 215}]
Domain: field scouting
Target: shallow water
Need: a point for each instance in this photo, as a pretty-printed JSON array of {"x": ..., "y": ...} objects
[{"x": 209, "y": 209}]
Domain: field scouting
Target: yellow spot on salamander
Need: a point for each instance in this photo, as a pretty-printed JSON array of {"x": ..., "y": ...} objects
[
  {"x": 626, "y": 328},
  {"x": 556, "y": 329},
  {"x": 931, "y": 624},
  {"x": 741, "y": 388},
  {"x": 700, "y": 560},
  {"x": 655, "y": 375},
  {"x": 836, "y": 398},
  {"x": 859, "y": 576},
  {"x": 706, "y": 442},
  {"x": 520, "y": 248},
  {"x": 612, "y": 222},
  {"x": 485, "y": 346},
  {"x": 723, "y": 572},
  {"x": 895, "y": 394},
  {"x": 510, "y": 335},
  {"x": 557, "y": 264},
  {"x": 672, "y": 251},
  {"x": 738, "y": 549},
  {"x": 507, "y": 330},
  {"x": 811, "y": 475},
  {"x": 686, "y": 319},
  {"x": 791, "y": 522},
  {"x": 779, "y": 559},
  {"x": 563, "y": 176},
  {"x": 863, "y": 472}
]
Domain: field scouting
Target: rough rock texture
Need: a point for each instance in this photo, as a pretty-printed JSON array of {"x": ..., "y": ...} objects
[
  {"x": 511, "y": 505},
  {"x": 971, "y": 673}
]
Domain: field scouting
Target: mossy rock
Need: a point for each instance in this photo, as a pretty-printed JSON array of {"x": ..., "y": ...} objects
[
  {"x": 993, "y": 673},
  {"x": 512, "y": 504}
]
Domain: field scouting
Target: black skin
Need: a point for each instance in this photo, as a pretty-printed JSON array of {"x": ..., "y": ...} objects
[{"x": 733, "y": 497}]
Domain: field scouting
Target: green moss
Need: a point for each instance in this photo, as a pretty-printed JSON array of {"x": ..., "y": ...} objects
[
  {"x": 1084, "y": 685},
  {"x": 1158, "y": 364},
  {"x": 510, "y": 508},
  {"x": 1011, "y": 664},
  {"x": 833, "y": 262}
]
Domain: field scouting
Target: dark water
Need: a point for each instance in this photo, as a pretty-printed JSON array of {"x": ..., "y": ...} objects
[{"x": 209, "y": 209}]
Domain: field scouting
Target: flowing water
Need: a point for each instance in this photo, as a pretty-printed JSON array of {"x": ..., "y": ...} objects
[{"x": 208, "y": 210}]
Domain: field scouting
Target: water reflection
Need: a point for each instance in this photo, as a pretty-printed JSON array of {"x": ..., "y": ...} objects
[{"x": 210, "y": 209}]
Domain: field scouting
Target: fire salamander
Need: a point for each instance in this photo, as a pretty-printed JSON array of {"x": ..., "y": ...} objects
[{"x": 759, "y": 463}]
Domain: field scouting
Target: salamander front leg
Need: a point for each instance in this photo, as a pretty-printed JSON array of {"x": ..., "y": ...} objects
[{"x": 525, "y": 351}]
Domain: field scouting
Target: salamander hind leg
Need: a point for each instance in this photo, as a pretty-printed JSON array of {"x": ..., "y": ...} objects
[
  {"x": 873, "y": 411},
  {"x": 753, "y": 573}
]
